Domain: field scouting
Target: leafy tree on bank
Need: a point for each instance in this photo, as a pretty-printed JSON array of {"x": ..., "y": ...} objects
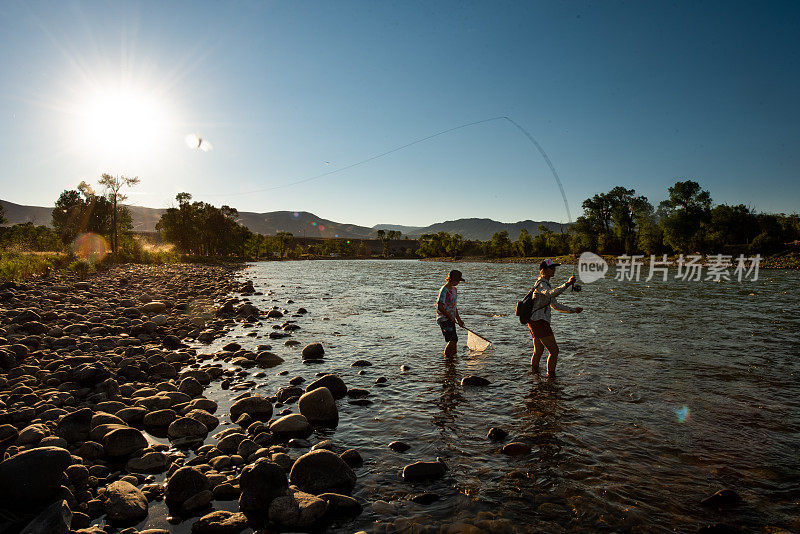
[
  {"x": 113, "y": 185},
  {"x": 499, "y": 246},
  {"x": 3, "y": 219},
  {"x": 283, "y": 241},
  {"x": 685, "y": 216},
  {"x": 203, "y": 229},
  {"x": 82, "y": 210},
  {"x": 524, "y": 243}
]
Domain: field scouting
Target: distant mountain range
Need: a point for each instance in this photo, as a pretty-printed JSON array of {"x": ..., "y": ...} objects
[{"x": 304, "y": 224}]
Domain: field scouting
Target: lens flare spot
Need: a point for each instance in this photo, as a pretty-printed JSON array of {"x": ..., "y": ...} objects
[
  {"x": 321, "y": 228},
  {"x": 313, "y": 224},
  {"x": 683, "y": 414},
  {"x": 90, "y": 247},
  {"x": 295, "y": 215}
]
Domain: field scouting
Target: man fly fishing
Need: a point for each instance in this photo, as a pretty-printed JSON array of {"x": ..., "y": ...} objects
[
  {"x": 544, "y": 298},
  {"x": 447, "y": 311}
]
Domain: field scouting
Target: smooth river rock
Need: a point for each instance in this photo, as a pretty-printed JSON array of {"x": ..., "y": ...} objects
[
  {"x": 419, "y": 471},
  {"x": 318, "y": 406},
  {"x": 36, "y": 476},
  {"x": 322, "y": 471},
  {"x": 261, "y": 482},
  {"x": 334, "y": 384},
  {"x": 124, "y": 502}
]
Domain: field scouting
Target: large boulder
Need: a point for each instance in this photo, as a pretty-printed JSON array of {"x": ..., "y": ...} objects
[
  {"x": 89, "y": 374},
  {"x": 153, "y": 307},
  {"x": 124, "y": 502},
  {"x": 297, "y": 510},
  {"x": 123, "y": 441},
  {"x": 75, "y": 426},
  {"x": 313, "y": 351},
  {"x": 334, "y": 384},
  {"x": 261, "y": 482},
  {"x": 186, "y": 427},
  {"x": 220, "y": 522},
  {"x": 151, "y": 462},
  {"x": 257, "y": 407},
  {"x": 184, "y": 484},
  {"x": 55, "y": 519},
  {"x": 322, "y": 471},
  {"x": 318, "y": 406},
  {"x": 32, "y": 477},
  {"x": 291, "y": 426}
]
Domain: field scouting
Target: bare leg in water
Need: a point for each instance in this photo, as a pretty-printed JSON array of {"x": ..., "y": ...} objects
[{"x": 539, "y": 344}]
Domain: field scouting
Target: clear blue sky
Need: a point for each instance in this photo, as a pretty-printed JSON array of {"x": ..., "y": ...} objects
[{"x": 638, "y": 94}]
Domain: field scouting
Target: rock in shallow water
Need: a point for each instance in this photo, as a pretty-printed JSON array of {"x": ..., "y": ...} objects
[
  {"x": 419, "y": 471},
  {"x": 318, "y": 406},
  {"x": 257, "y": 407},
  {"x": 297, "y": 510},
  {"x": 261, "y": 482},
  {"x": 322, "y": 471},
  {"x": 184, "y": 484},
  {"x": 313, "y": 351},
  {"x": 516, "y": 448}
]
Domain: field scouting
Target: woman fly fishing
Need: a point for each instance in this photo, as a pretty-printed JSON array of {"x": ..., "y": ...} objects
[{"x": 544, "y": 298}]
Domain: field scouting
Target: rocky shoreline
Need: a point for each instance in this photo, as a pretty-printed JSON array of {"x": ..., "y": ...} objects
[{"x": 92, "y": 372}]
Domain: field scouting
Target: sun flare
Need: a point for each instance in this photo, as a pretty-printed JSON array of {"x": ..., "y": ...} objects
[{"x": 122, "y": 124}]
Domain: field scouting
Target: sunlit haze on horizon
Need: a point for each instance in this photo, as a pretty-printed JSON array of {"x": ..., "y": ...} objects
[{"x": 633, "y": 94}]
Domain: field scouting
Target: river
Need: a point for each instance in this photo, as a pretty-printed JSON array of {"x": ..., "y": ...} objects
[{"x": 666, "y": 392}]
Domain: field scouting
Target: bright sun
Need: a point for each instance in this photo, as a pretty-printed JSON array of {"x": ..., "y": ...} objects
[{"x": 123, "y": 125}]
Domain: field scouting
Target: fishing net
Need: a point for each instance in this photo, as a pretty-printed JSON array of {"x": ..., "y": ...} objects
[{"x": 476, "y": 342}]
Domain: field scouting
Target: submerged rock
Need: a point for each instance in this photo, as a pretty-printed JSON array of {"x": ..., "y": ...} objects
[{"x": 420, "y": 471}]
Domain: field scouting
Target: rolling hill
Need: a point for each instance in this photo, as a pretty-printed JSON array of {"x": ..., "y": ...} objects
[{"x": 304, "y": 224}]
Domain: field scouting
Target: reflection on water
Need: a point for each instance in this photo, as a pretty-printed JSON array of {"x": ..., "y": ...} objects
[{"x": 666, "y": 392}]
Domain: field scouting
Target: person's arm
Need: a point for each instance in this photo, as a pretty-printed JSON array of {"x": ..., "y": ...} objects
[
  {"x": 459, "y": 322},
  {"x": 563, "y": 308},
  {"x": 553, "y": 293}
]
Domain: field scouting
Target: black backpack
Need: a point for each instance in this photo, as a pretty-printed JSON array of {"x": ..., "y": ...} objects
[{"x": 525, "y": 308}]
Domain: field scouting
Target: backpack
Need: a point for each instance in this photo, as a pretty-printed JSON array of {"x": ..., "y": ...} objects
[{"x": 525, "y": 308}]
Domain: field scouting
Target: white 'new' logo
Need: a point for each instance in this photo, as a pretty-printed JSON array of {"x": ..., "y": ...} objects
[{"x": 591, "y": 267}]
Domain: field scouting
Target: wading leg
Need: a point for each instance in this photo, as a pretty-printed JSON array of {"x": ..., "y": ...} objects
[
  {"x": 538, "y": 350},
  {"x": 450, "y": 349},
  {"x": 552, "y": 348}
]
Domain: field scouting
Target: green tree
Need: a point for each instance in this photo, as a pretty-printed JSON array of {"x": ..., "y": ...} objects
[
  {"x": 3, "y": 214},
  {"x": 500, "y": 246},
  {"x": 524, "y": 243},
  {"x": 113, "y": 185},
  {"x": 685, "y": 216}
]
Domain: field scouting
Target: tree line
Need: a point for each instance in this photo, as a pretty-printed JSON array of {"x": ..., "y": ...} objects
[{"x": 616, "y": 222}]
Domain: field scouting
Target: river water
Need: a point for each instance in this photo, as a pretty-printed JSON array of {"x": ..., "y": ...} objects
[{"x": 666, "y": 392}]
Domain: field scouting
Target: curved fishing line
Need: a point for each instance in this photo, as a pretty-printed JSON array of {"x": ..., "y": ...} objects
[
  {"x": 362, "y": 162},
  {"x": 416, "y": 142}
]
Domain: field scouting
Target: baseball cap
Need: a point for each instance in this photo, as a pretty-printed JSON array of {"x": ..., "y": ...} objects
[
  {"x": 455, "y": 276},
  {"x": 547, "y": 264}
]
